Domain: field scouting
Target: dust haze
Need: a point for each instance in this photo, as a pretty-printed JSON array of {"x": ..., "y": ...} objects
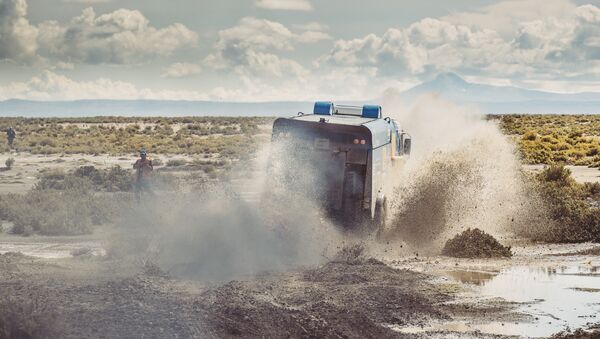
[
  {"x": 212, "y": 234},
  {"x": 462, "y": 173}
]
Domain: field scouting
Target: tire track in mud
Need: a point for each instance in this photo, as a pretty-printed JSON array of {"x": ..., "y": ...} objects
[{"x": 337, "y": 299}]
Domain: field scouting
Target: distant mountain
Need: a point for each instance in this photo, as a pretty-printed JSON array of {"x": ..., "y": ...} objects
[
  {"x": 505, "y": 99},
  {"x": 449, "y": 86}
]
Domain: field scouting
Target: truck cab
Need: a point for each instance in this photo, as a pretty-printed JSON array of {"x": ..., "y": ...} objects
[{"x": 343, "y": 156}]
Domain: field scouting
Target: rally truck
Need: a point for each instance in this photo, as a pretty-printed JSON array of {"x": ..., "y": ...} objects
[{"x": 346, "y": 158}]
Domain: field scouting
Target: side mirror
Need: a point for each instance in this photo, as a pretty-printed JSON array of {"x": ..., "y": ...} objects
[{"x": 406, "y": 145}]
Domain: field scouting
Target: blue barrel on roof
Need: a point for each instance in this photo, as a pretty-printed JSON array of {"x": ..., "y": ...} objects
[
  {"x": 323, "y": 108},
  {"x": 371, "y": 111}
]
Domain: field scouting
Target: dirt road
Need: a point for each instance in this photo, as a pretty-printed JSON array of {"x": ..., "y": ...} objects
[{"x": 537, "y": 293}]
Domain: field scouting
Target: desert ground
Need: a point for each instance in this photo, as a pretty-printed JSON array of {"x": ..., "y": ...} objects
[{"x": 193, "y": 261}]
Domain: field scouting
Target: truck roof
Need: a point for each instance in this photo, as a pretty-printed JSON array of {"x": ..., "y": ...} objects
[
  {"x": 380, "y": 129},
  {"x": 335, "y": 119}
]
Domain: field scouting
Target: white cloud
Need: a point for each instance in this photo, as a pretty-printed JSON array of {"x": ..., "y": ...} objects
[
  {"x": 312, "y": 26},
  {"x": 52, "y": 86},
  {"x": 88, "y": 1},
  {"x": 18, "y": 38},
  {"x": 565, "y": 45},
  {"x": 313, "y": 36},
  {"x": 64, "y": 65},
  {"x": 181, "y": 70},
  {"x": 504, "y": 16},
  {"x": 121, "y": 37},
  {"x": 289, "y": 5},
  {"x": 251, "y": 47}
]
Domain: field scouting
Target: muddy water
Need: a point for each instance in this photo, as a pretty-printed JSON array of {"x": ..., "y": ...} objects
[{"x": 555, "y": 298}]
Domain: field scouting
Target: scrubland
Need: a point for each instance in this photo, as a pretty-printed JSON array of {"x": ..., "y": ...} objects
[
  {"x": 128, "y": 293},
  {"x": 546, "y": 139}
]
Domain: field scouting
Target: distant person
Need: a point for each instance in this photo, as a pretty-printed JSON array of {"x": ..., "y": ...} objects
[
  {"x": 144, "y": 168},
  {"x": 10, "y": 136}
]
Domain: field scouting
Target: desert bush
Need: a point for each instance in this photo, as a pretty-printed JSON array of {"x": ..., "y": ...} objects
[
  {"x": 572, "y": 219},
  {"x": 110, "y": 180},
  {"x": 224, "y": 137},
  {"x": 117, "y": 179},
  {"x": 62, "y": 204},
  {"x": 157, "y": 162},
  {"x": 176, "y": 162},
  {"x": 530, "y": 135},
  {"x": 32, "y": 318},
  {"x": 575, "y": 137},
  {"x": 9, "y": 163},
  {"x": 69, "y": 212},
  {"x": 557, "y": 174}
]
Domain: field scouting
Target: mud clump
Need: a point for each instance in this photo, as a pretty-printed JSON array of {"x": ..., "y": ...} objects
[
  {"x": 354, "y": 255},
  {"x": 591, "y": 333},
  {"x": 474, "y": 243}
]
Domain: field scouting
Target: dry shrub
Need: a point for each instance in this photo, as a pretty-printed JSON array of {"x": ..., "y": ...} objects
[
  {"x": 110, "y": 180},
  {"x": 474, "y": 243},
  {"x": 9, "y": 163},
  {"x": 72, "y": 210},
  {"x": 572, "y": 219}
]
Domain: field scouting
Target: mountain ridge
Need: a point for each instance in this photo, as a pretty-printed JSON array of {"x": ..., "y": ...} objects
[{"x": 449, "y": 86}]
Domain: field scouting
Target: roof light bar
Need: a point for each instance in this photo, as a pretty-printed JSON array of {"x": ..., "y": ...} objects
[
  {"x": 371, "y": 111},
  {"x": 323, "y": 108},
  {"x": 329, "y": 108}
]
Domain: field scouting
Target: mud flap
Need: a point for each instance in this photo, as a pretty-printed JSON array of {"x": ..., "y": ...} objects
[
  {"x": 380, "y": 219},
  {"x": 353, "y": 191}
]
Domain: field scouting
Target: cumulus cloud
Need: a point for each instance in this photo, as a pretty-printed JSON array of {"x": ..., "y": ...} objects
[
  {"x": 53, "y": 86},
  {"x": 504, "y": 16},
  {"x": 120, "y": 37},
  {"x": 565, "y": 45},
  {"x": 251, "y": 47},
  {"x": 88, "y": 1},
  {"x": 289, "y": 5},
  {"x": 181, "y": 70},
  {"x": 18, "y": 38}
]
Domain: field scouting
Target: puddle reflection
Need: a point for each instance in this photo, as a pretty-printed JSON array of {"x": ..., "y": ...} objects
[
  {"x": 557, "y": 297},
  {"x": 471, "y": 277}
]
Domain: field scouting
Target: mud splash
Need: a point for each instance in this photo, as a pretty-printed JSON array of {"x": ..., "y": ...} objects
[{"x": 463, "y": 173}]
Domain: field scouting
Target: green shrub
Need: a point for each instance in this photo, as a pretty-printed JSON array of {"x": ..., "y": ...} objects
[
  {"x": 530, "y": 136},
  {"x": 572, "y": 219}
]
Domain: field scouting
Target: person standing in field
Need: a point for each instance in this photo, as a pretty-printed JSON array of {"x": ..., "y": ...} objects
[
  {"x": 10, "y": 136},
  {"x": 144, "y": 168}
]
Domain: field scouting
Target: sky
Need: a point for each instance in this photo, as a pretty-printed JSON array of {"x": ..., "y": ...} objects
[{"x": 281, "y": 50}]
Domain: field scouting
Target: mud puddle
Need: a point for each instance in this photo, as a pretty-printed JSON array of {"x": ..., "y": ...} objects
[
  {"x": 52, "y": 250},
  {"x": 553, "y": 298}
]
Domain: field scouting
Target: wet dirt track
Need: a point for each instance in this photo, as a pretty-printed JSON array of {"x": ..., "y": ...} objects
[
  {"x": 98, "y": 297},
  {"x": 335, "y": 300}
]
